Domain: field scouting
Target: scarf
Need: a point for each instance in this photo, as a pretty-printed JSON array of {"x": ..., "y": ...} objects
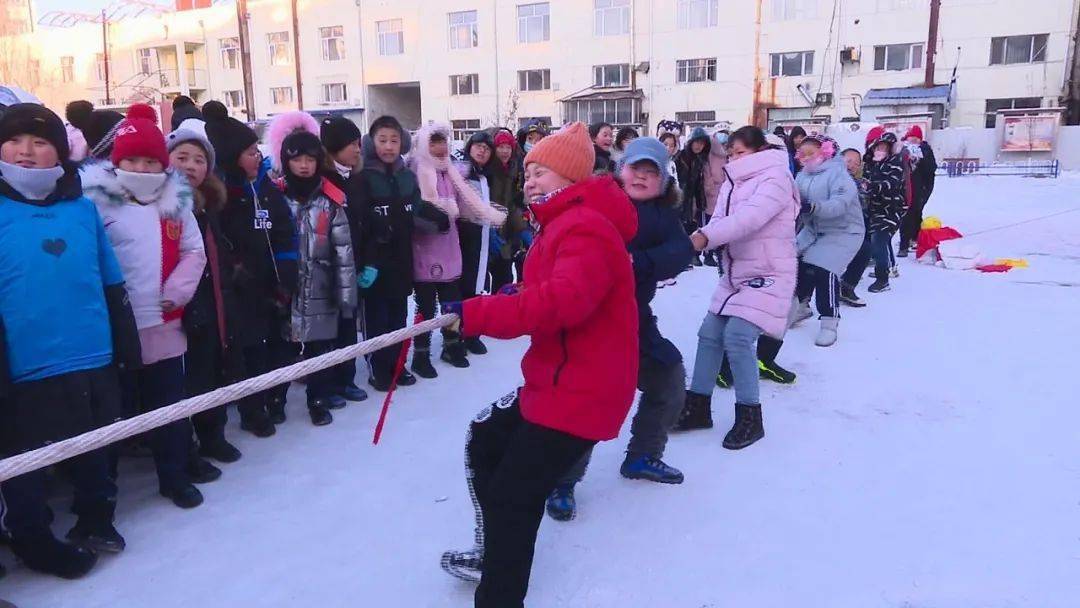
[
  {"x": 143, "y": 187},
  {"x": 34, "y": 184}
]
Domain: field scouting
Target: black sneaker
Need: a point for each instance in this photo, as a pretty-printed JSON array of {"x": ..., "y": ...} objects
[
  {"x": 320, "y": 413},
  {"x": 184, "y": 495},
  {"x": 336, "y": 402},
  {"x": 406, "y": 378},
  {"x": 772, "y": 371},
  {"x": 747, "y": 429},
  {"x": 475, "y": 346},
  {"x": 379, "y": 383},
  {"x": 849, "y": 297},
  {"x": 421, "y": 365},
  {"x": 696, "y": 413},
  {"x": 879, "y": 286},
  {"x": 258, "y": 424},
  {"x": 201, "y": 471},
  {"x": 351, "y": 392},
  {"x": 220, "y": 450},
  {"x": 41, "y": 551},
  {"x": 277, "y": 411},
  {"x": 464, "y": 565},
  {"x": 94, "y": 530}
]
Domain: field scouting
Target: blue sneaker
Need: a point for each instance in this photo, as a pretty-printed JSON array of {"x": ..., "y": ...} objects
[
  {"x": 561, "y": 505},
  {"x": 649, "y": 468}
]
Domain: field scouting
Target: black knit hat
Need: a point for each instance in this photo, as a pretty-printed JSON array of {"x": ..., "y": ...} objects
[
  {"x": 302, "y": 143},
  {"x": 184, "y": 112},
  {"x": 37, "y": 120},
  {"x": 338, "y": 132},
  {"x": 95, "y": 126},
  {"x": 229, "y": 136}
]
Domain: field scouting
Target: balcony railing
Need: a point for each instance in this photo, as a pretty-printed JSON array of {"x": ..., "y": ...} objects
[{"x": 170, "y": 79}]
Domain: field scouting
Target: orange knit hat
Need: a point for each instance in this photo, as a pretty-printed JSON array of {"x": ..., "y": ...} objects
[{"x": 568, "y": 152}]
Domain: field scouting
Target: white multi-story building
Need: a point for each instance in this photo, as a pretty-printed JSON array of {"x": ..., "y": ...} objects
[{"x": 479, "y": 63}]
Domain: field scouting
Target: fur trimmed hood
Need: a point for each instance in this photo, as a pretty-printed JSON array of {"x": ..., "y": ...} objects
[
  {"x": 280, "y": 128},
  {"x": 467, "y": 203},
  {"x": 101, "y": 186}
]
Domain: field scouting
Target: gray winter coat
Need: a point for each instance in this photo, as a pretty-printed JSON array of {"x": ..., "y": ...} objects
[
  {"x": 834, "y": 230},
  {"x": 326, "y": 282}
]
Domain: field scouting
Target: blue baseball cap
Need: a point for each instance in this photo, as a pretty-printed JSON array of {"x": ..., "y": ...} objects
[{"x": 650, "y": 149}]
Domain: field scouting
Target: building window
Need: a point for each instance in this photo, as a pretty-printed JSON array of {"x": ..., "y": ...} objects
[
  {"x": 67, "y": 68},
  {"x": 794, "y": 10},
  {"x": 1018, "y": 49},
  {"x": 534, "y": 80},
  {"x": 230, "y": 53},
  {"x": 334, "y": 92},
  {"x": 534, "y": 22},
  {"x": 700, "y": 118},
  {"x": 332, "y": 40},
  {"x": 145, "y": 65},
  {"x": 465, "y": 84},
  {"x": 613, "y": 75},
  {"x": 233, "y": 99},
  {"x": 695, "y": 70},
  {"x": 464, "y": 129},
  {"x": 278, "y": 43},
  {"x": 1015, "y": 103},
  {"x": 792, "y": 64},
  {"x": 281, "y": 95},
  {"x": 463, "y": 30},
  {"x": 391, "y": 37},
  {"x": 614, "y": 111},
  {"x": 698, "y": 13},
  {"x": 611, "y": 17},
  {"x": 99, "y": 65},
  {"x": 897, "y": 57}
]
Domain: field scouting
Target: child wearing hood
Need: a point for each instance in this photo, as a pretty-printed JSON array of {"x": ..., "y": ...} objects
[
  {"x": 147, "y": 209},
  {"x": 326, "y": 275},
  {"x": 437, "y": 256}
]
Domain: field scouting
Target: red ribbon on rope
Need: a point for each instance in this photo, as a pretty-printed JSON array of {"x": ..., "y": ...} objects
[{"x": 398, "y": 369}]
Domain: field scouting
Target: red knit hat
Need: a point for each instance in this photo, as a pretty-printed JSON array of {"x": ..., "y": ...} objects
[
  {"x": 139, "y": 135},
  {"x": 914, "y": 131},
  {"x": 504, "y": 138},
  {"x": 569, "y": 153}
]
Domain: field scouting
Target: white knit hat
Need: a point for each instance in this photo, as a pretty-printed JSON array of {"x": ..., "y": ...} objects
[{"x": 192, "y": 130}]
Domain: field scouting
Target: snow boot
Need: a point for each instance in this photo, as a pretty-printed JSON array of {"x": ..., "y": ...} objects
[
  {"x": 379, "y": 381},
  {"x": 183, "y": 495},
  {"x": 277, "y": 411},
  {"x": 696, "y": 413},
  {"x": 336, "y": 402},
  {"x": 827, "y": 333},
  {"x": 747, "y": 428},
  {"x": 220, "y": 450},
  {"x": 464, "y": 565},
  {"x": 354, "y": 393},
  {"x": 319, "y": 410},
  {"x": 650, "y": 469},
  {"x": 879, "y": 286},
  {"x": 421, "y": 364},
  {"x": 561, "y": 505},
  {"x": 849, "y": 297},
  {"x": 770, "y": 370},
  {"x": 802, "y": 313},
  {"x": 406, "y": 379},
  {"x": 257, "y": 424},
  {"x": 94, "y": 529},
  {"x": 475, "y": 346},
  {"x": 200, "y": 470},
  {"x": 454, "y": 352},
  {"x": 41, "y": 551}
]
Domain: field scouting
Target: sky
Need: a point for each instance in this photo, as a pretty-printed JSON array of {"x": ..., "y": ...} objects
[{"x": 42, "y": 7}]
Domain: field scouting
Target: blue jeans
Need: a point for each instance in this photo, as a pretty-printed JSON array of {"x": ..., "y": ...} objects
[
  {"x": 881, "y": 249},
  {"x": 736, "y": 337}
]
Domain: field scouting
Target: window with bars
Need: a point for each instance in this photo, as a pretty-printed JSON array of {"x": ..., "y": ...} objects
[
  {"x": 281, "y": 95},
  {"x": 334, "y": 92},
  {"x": 534, "y": 80},
  {"x": 697, "y": 118},
  {"x": 233, "y": 99},
  {"x": 791, "y": 64},
  {"x": 67, "y": 68},
  {"x": 898, "y": 57},
  {"x": 611, "y": 75},
  {"x": 534, "y": 22},
  {"x": 463, "y": 30},
  {"x": 611, "y": 17},
  {"x": 230, "y": 53},
  {"x": 465, "y": 84},
  {"x": 332, "y": 41},
  {"x": 146, "y": 64},
  {"x": 1005, "y": 50},
  {"x": 1012, "y": 103},
  {"x": 695, "y": 70},
  {"x": 391, "y": 36},
  {"x": 278, "y": 44},
  {"x": 463, "y": 129},
  {"x": 615, "y": 111},
  {"x": 693, "y": 14}
]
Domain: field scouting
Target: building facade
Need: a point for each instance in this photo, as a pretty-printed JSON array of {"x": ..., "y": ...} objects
[{"x": 478, "y": 63}]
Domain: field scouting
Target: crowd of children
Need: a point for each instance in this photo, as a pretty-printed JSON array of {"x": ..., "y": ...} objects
[{"x": 166, "y": 266}]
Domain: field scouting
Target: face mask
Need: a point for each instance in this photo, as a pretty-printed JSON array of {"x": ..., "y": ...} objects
[
  {"x": 34, "y": 184},
  {"x": 880, "y": 155},
  {"x": 143, "y": 187},
  {"x": 528, "y": 147}
]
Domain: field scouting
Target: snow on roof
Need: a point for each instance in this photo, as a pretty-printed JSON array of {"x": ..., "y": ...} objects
[{"x": 902, "y": 96}]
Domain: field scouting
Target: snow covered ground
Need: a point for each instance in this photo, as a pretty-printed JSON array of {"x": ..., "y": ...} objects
[{"x": 931, "y": 459}]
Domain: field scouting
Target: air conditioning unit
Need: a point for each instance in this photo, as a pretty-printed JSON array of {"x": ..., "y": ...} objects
[
  {"x": 849, "y": 54},
  {"x": 823, "y": 99}
]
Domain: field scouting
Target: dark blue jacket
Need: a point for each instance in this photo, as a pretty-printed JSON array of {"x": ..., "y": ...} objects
[{"x": 661, "y": 250}]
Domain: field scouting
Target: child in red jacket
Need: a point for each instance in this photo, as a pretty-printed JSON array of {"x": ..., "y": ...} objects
[{"x": 577, "y": 303}]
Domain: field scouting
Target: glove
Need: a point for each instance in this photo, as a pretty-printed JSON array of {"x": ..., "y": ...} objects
[
  {"x": 510, "y": 290},
  {"x": 367, "y": 277},
  {"x": 806, "y": 207}
]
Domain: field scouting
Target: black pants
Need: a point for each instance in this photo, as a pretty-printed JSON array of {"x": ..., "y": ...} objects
[
  {"x": 345, "y": 373},
  {"x": 502, "y": 273},
  {"x": 471, "y": 237},
  {"x": 857, "y": 267},
  {"x": 513, "y": 466},
  {"x": 383, "y": 315},
  {"x": 912, "y": 223},
  {"x": 426, "y": 295},
  {"x": 815, "y": 279},
  {"x": 204, "y": 371},
  {"x": 153, "y": 387},
  {"x": 323, "y": 383}
]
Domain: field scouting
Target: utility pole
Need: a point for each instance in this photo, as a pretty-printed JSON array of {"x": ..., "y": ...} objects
[
  {"x": 245, "y": 58},
  {"x": 105, "y": 55},
  {"x": 931, "y": 42},
  {"x": 296, "y": 56}
]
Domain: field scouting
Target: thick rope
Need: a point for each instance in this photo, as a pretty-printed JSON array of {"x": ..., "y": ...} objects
[{"x": 97, "y": 438}]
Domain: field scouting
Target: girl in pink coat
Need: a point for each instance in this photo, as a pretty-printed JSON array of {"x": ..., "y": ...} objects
[{"x": 753, "y": 225}]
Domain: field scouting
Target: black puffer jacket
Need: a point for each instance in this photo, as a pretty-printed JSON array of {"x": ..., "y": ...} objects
[{"x": 884, "y": 193}]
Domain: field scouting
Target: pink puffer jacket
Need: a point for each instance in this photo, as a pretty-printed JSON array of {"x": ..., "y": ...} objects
[{"x": 754, "y": 221}]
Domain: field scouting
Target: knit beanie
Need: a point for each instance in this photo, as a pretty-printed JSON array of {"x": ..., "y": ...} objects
[
  {"x": 139, "y": 135},
  {"x": 301, "y": 143},
  {"x": 184, "y": 112},
  {"x": 96, "y": 127},
  {"x": 35, "y": 119},
  {"x": 337, "y": 132},
  {"x": 914, "y": 131},
  {"x": 504, "y": 138},
  {"x": 568, "y": 152},
  {"x": 193, "y": 131},
  {"x": 229, "y": 137}
]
